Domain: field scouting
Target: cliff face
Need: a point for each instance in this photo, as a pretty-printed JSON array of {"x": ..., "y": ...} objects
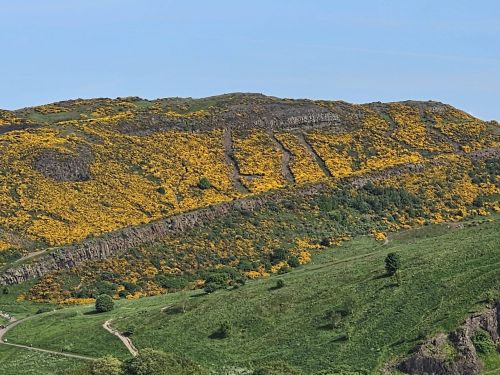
[{"x": 430, "y": 359}]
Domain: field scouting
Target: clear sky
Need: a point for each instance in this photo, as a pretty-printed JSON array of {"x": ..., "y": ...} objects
[{"x": 358, "y": 51}]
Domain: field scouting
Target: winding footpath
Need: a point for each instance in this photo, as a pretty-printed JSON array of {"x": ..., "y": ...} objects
[
  {"x": 14, "y": 322},
  {"x": 126, "y": 341}
]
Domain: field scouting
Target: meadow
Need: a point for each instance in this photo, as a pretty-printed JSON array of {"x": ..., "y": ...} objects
[{"x": 338, "y": 312}]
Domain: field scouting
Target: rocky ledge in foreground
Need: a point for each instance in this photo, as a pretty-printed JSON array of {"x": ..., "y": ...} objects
[{"x": 455, "y": 353}]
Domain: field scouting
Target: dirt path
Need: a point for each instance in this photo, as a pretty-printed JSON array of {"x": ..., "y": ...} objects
[
  {"x": 69, "y": 355},
  {"x": 14, "y": 322},
  {"x": 231, "y": 162},
  {"x": 286, "y": 156},
  {"x": 31, "y": 255},
  {"x": 126, "y": 341}
]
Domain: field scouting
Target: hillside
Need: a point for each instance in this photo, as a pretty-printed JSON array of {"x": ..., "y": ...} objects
[
  {"x": 135, "y": 198},
  {"x": 76, "y": 169},
  {"x": 381, "y": 323}
]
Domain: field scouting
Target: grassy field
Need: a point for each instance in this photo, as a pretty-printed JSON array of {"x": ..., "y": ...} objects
[
  {"x": 338, "y": 310},
  {"x": 15, "y": 361}
]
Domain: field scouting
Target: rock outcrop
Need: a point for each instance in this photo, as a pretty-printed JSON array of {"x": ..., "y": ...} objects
[
  {"x": 65, "y": 167},
  {"x": 454, "y": 353}
]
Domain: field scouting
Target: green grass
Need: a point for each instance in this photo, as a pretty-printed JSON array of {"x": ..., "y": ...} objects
[
  {"x": 445, "y": 275},
  {"x": 9, "y": 303},
  {"x": 491, "y": 364},
  {"x": 15, "y": 361}
]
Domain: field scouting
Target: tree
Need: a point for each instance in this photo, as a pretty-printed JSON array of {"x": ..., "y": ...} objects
[
  {"x": 107, "y": 365},
  {"x": 150, "y": 362},
  {"x": 157, "y": 362},
  {"x": 392, "y": 263},
  {"x": 104, "y": 303}
]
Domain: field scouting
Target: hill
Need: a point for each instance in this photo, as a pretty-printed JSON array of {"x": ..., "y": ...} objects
[
  {"x": 340, "y": 311},
  {"x": 82, "y": 168},
  {"x": 135, "y": 198}
]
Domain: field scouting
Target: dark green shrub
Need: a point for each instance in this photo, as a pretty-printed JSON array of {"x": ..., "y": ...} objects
[
  {"x": 104, "y": 303},
  {"x": 279, "y": 255},
  {"x": 5, "y": 290},
  {"x": 293, "y": 261},
  {"x": 280, "y": 283},
  {"x": 171, "y": 282},
  {"x": 211, "y": 287},
  {"x": 107, "y": 365},
  {"x": 483, "y": 342},
  {"x": 325, "y": 242},
  {"x": 204, "y": 183},
  {"x": 43, "y": 309},
  {"x": 157, "y": 362},
  {"x": 223, "y": 331},
  {"x": 392, "y": 263}
]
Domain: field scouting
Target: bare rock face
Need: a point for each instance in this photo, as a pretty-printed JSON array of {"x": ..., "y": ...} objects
[
  {"x": 249, "y": 111},
  {"x": 433, "y": 359},
  {"x": 65, "y": 167}
]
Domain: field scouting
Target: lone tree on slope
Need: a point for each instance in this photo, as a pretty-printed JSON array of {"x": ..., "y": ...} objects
[
  {"x": 392, "y": 263},
  {"x": 104, "y": 303}
]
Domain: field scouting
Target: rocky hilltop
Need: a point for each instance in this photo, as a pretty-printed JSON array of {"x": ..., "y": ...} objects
[{"x": 87, "y": 179}]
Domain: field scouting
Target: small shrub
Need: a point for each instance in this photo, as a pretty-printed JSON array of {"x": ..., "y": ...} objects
[
  {"x": 104, "y": 303},
  {"x": 223, "y": 331},
  {"x": 204, "y": 183},
  {"x": 130, "y": 330},
  {"x": 5, "y": 290},
  {"x": 43, "y": 309},
  {"x": 325, "y": 242},
  {"x": 107, "y": 365},
  {"x": 293, "y": 261},
  {"x": 280, "y": 284},
  {"x": 279, "y": 255},
  {"x": 483, "y": 342},
  {"x": 211, "y": 287},
  {"x": 392, "y": 263}
]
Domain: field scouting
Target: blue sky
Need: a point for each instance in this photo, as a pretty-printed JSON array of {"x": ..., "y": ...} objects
[{"x": 358, "y": 51}]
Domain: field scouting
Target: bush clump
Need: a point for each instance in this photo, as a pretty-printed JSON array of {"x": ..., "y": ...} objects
[
  {"x": 483, "y": 342},
  {"x": 204, "y": 183},
  {"x": 392, "y": 263},
  {"x": 104, "y": 303}
]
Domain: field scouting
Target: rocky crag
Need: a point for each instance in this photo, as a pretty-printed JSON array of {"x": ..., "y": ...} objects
[{"x": 454, "y": 353}]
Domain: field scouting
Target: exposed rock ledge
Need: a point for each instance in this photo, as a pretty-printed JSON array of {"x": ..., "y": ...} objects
[{"x": 430, "y": 359}]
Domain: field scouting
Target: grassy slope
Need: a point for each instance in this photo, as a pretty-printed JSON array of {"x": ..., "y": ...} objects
[
  {"x": 9, "y": 303},
  {"x": 445, "y": 274},
  {"x": 16, "y": 361}
]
